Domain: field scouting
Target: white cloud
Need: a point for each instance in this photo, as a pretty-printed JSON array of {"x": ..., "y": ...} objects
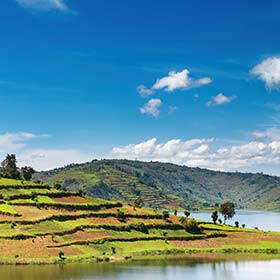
[
  {"x": 174, "y": 81},
  {"x": 220, "y": 99},
  {"x": 11, "y": 142},
  {"x": 43, "y": 5},
  {"x": 204, "y": 153},
  {"x": 45, "y": 159},
  {"x": 151, "y": 107},
  {"x": 258, "y": 135},
  {"x": 269, "y": 72},
  {"x": 144, "y": 92}
]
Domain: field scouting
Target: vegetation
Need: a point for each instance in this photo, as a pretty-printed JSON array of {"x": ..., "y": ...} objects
[
  {"x": 215, "y": 216},
  {"x": 227, "y": 209},
  {"x": 10, "y": 170},
  {"x": 164, "y": 185},
  {"x": 39, "y": 224}
]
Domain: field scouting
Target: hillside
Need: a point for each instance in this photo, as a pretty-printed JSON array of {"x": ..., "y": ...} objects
[
  {"x": 168, "y": 185},
  {"x": 39, "y": 224}
]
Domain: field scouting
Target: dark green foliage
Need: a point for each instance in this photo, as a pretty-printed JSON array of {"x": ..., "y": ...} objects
[
  {"x": 236, "y": 224},
  {"x": 165, "y": 215},
  {"x": 227, "y": 209},
  {"x": 13, "y": 225},
  {"x": 187, "y": 213},
  {"x": 121, "y": 215},
  {"x": 220, "y": 221},
  {"x": 61, "y": 255},
  {"x": 192, "y": 226},
  {"x": 140, "y": 227},
  {"x": 182, "y": 220},
  {"x": 113, "y": 249},
  {"x": 243, "y": 225},
  {"x": 138, "y": 202},
  {"x": 215, "y": 216},
  {"x": 175, "y": 212},
  {"x": 27, "y": 172},
  {"x": 9, "y": 167},
  {"x": 81, "y": 193}
]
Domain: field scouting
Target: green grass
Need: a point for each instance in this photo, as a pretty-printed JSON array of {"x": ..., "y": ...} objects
[
  {"x": 7, "y": 209},
  {"x": 12, "y": 182}
]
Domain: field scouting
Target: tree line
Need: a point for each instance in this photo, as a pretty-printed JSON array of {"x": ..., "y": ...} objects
[{"x": 9, "y": 169}]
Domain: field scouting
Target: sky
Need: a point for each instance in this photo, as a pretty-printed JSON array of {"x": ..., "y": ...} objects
[{"x": 191, "y": 82}]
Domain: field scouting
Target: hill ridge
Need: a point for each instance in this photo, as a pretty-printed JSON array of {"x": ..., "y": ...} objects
[{"x": 167, "y": 185}]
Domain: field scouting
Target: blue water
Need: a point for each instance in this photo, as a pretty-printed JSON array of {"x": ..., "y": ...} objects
[{"x": 261, "y": 219}]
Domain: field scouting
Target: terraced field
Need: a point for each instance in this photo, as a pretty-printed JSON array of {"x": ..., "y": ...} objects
[
  {"x": 165, "y": 185},
  {"x": 39, "y": 224}
]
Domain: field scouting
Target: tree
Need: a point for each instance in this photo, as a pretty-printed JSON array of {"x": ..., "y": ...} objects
[
  {"x": 138, "y": 202},
  {"x": 215, "y": 216},
  {"x": 9, "y": 167},
  {"x": 175, "y": 212},
  {"x": 187, "y": 213},
  {"x": 27, "y": 172},
  {"x": 236, "y": 224},
  {"x": 165, "y": 215},
  {"x": 227, "y": 209}
]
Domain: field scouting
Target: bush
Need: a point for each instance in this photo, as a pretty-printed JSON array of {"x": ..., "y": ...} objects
[
  {"x": 140, "y": 227},
  {"x": 192, "y": 226},
  {"x": 120, "y": 215},
  {"x": 165, "y": 215},
  {"x": 236, "y": 224},
  {"x": 187, "y": 213}
]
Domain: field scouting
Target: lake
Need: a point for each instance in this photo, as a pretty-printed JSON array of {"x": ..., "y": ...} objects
[
  {"x": 261, "y": 219},
  {"x": 154, "y": 270}
]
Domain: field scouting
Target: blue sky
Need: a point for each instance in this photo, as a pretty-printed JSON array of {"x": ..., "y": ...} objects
[{"x": 189, "y": 82}]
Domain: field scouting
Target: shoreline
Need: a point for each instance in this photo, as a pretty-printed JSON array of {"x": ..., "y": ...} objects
[{"x": 225, "y": 254}]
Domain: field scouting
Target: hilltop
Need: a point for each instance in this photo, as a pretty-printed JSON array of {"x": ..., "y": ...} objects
[
  {"x": 40, "y": 224},
  {"x": 165, "y": 185}
]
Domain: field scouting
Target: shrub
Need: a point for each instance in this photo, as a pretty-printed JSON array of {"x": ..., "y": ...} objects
[
  {"x": 220, "y": 221},
  {"x": 175, "y": 212},
  {"x": 120, "y": 215},
  {"x": 192, "y": 226},
  {"x": 215, "y": 216},
  {"x": 182, "y": 220},
  {"x": 140, "y": 227},
  {"x": 236, "y": 224},
  {"x": 165, "y": 215},
  {"x": 113, "y": 249},
  {"x": 243, "y": 225},
  {"x": 187, "y": 213},
  {"x": 61, "y": 255}
]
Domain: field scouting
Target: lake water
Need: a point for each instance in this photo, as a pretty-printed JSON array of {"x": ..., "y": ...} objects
[
  {"x": 261, "y": 219},
  {"x": 193, "y": 269},
  {"x": 157, "y": 270}
]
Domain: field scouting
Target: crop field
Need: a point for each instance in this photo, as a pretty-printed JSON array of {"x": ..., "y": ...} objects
[{"x": 40, "y": 224}]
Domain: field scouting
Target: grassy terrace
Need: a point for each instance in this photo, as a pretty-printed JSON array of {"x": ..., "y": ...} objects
[{"x": 39, "y": 224}]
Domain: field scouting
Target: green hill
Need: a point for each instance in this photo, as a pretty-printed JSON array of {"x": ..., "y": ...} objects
[
  {"x": 40, "y": 224},
  {"x": 167, "y": 185}
]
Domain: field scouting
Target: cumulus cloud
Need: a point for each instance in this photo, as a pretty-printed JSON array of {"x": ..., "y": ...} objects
[
  {"x": 43, "y": 5},
  {"x": 220, "y": 99},
  {"x": 174, "y": 81},
  {"x": 204, "y": 153},
  {"x": 269, "y": 72},
  {"x": 144, "y": 92},
  {"x": 151, "y": 107}
]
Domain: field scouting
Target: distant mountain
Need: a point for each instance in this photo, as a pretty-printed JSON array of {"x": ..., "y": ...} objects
[{"x": 168, "y": 185}]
